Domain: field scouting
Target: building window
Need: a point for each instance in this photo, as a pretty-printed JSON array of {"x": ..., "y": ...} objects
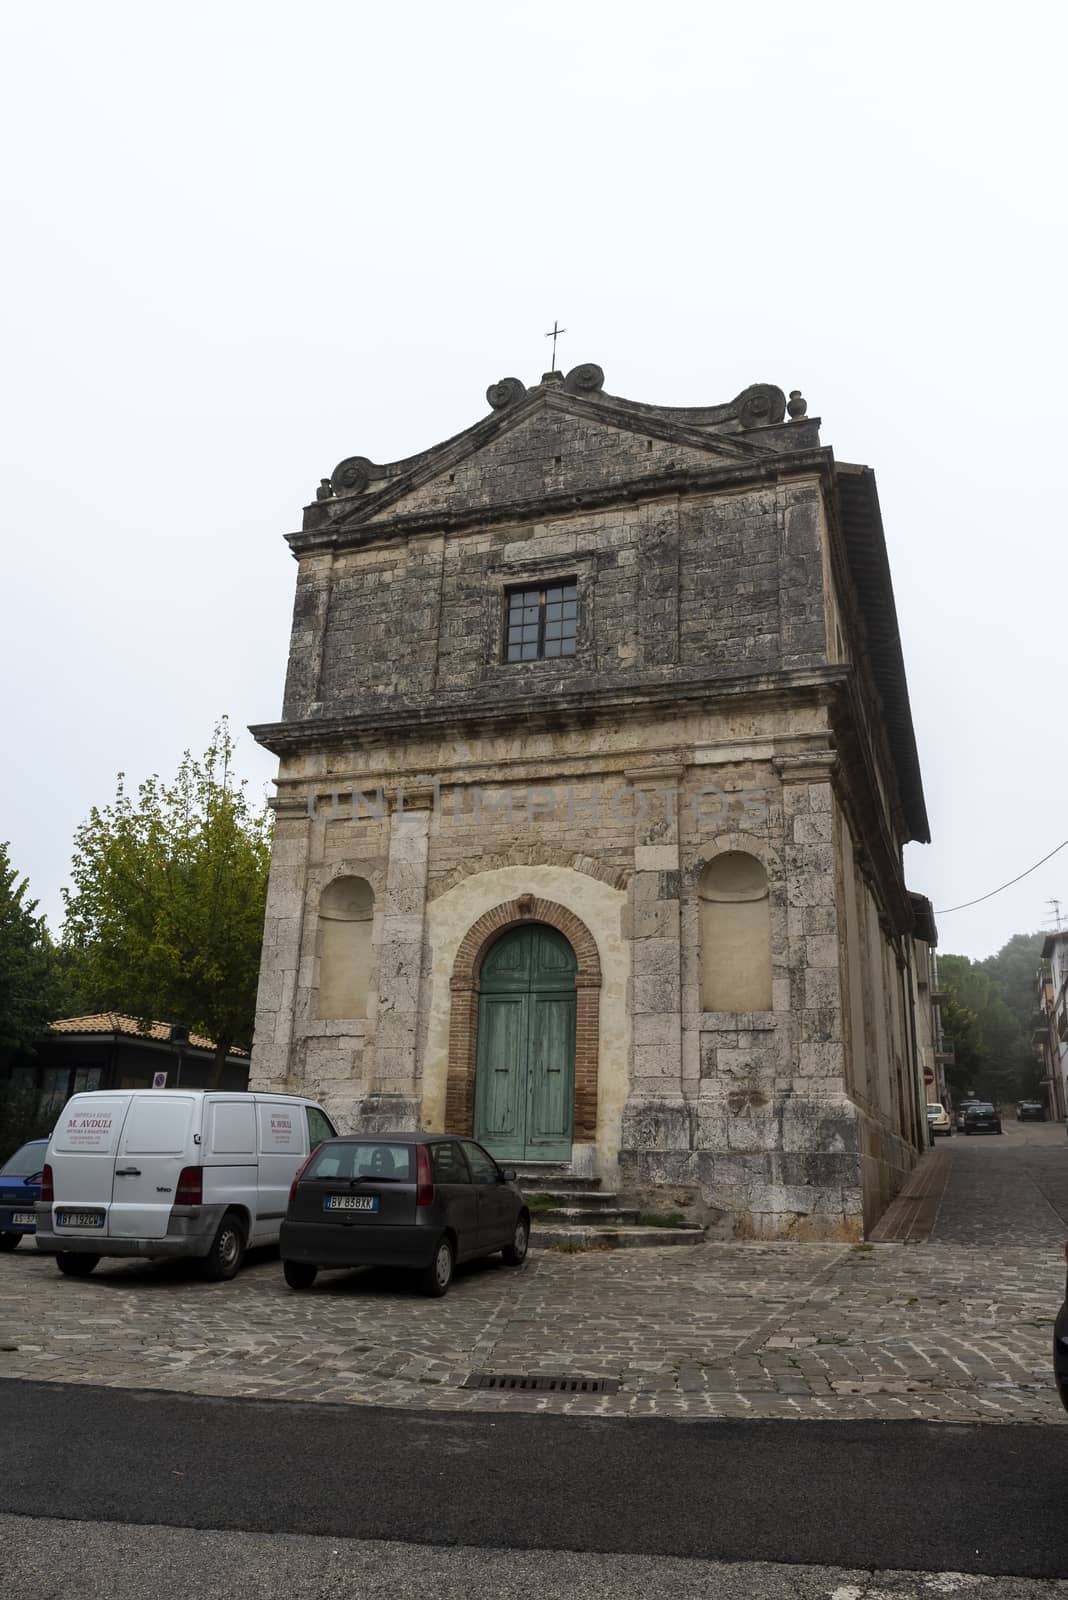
[
  {"x": 541, "y": 622},
  {"x": 735, "y": 934},
  {"x": 346, "y": 909}
]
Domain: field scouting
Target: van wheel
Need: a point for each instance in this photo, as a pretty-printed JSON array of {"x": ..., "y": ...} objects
[
  {"x": 435, "y": 1279},
  {"x": 299, "y": 1275},
  {"x": 227, "y": 1250},
  {"x": 75, "y": 1266},
  {"x": 10, "y": 1241}
]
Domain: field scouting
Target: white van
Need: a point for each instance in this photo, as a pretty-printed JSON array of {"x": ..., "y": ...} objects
[{"x": 172, "y": 1172}]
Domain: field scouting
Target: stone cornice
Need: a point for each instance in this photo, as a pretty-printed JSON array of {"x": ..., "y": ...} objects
[
  {"x": 577, "y": 707},
  {"x": 809, "y": 766},
  {"x": 676, "y": 482}
]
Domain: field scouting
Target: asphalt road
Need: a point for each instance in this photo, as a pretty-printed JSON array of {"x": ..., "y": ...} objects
[
  {"x": 857, "y": 1495},
  {"x": 45, "y": 1560}
]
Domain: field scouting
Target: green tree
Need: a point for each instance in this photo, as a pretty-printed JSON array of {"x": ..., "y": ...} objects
[
  {"x": 29, "y": 987},
  {"x": 1015, "y": 970},
  {"x": 165, "y": 916},
  {"x": 991, "y": 1044}
]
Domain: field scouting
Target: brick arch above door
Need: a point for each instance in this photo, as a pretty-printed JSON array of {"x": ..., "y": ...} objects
[{"x": 463, "y": 1013}]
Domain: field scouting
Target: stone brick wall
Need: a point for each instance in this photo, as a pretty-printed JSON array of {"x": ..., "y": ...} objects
[
  {"x": 714, "y": 586},
  {"x": 774, "y": 1147}
]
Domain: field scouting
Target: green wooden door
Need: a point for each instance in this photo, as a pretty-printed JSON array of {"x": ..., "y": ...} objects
[{"x": 525, "y": 1087}]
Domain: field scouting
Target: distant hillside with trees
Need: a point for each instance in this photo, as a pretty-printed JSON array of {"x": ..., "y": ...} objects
[{"x": 987, "y": 1020}]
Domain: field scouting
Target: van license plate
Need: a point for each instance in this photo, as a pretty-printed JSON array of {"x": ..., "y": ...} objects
[
  {"x": 80, "y": 1219},
  {"x": 24, "y": 1219},
  {"x": 352, "y": 1202}
]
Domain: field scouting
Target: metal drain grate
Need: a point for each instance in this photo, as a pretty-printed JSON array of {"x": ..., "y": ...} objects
[{"x": 540, "y": 1384}]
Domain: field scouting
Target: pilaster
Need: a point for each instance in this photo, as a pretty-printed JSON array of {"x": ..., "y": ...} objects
[
  {"x": 393, "y": 1100},
  {"x": 272, "y": 1065},
  {"x": 656, "y": 1115}
]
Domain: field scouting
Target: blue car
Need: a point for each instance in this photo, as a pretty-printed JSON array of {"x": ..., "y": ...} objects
[{"x": 20, "y": 1189}]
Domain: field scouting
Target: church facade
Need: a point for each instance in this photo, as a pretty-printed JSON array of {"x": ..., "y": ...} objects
[{"x": 596, "y": 765}]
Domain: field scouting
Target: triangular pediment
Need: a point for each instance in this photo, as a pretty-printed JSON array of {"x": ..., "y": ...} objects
[
  {"x": 550, "y": 451},
  {"x": 547, "y": 444},
  {"x": 565, "y": 438}
]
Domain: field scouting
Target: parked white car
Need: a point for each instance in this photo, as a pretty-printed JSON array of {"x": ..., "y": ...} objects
[
  {"x": 939, "y": 1120},
  {"x": 172, "y": 1172}
]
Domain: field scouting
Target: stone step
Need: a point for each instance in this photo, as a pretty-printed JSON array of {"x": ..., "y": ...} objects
[
  {"x": 594, "y": 1199},
  {"x": 584, "y": 1216},
  {"x": 596, "y": 1238},
  {"x": 556, "y": 1182},
  {"x": 525, "y": 1167}
]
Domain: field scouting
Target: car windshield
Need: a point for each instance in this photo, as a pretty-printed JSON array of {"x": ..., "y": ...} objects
[
  {"x": 376, "y": 1160},
  {"x": 24, "y": 1162},
  {"x": 934, "y": 1111},
  {"x": 981, "y": 1106}
]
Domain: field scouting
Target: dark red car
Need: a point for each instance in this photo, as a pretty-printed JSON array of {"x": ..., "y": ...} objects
[
  {"x": 982, "y": 1117},
  {"x": 417, "y": 1200}
]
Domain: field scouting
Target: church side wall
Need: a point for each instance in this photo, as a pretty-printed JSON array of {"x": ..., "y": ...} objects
[{"x": 880, "y": 1073}]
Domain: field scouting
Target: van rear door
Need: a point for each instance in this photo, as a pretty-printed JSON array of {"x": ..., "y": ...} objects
[
  {"x": 230, "y": 1165},
  {"x": 154, "y": 1146},
  {"x": 282, "y": 1127},
  {"x": 81, "y": 1154}
]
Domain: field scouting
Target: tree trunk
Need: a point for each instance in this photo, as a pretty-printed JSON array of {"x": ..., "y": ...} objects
[{"x": 218, "y": 1062}]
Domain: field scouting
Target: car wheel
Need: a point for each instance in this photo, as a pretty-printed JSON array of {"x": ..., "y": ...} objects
[
  {"x": 516, "y": 1252},
  {"x": 75, "y": 1266},
  {"x": 9, "y": 1241},
  {"x": 299, "y": 1275},
  {"x": 435, "y": 1279},
  {"x": 227, "y": 1250}
]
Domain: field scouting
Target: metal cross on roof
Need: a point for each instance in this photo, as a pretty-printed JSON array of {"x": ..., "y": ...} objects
[{"x": 553, "y": 334}]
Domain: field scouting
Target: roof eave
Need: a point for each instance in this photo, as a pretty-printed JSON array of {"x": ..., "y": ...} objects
[{"x": 869, "y": 565}]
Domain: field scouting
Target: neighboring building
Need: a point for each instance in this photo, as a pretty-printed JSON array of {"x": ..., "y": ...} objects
[
  {"x": 1051, "y": 1029},
  {"x": 596, "y": 767},
  {"x": 109, "y": 1051},
  {"x": 932, "y": 1058}
]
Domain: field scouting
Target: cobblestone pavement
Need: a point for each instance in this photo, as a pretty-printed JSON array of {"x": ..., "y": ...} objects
[
  {"x": 1013, "y": 1188},
  {"x": 957, "y": 1329}
]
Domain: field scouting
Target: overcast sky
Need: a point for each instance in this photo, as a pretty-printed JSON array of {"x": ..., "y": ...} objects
[{"x": 244, "y": 241}]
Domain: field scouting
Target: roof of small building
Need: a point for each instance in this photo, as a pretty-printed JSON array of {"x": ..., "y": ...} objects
[
  {"x": 118, "y": 1022},
  {"x": 1051, "y": 941}
]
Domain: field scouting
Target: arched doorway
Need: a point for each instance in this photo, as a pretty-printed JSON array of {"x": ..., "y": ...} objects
[{"x": 525, "y": 1060}]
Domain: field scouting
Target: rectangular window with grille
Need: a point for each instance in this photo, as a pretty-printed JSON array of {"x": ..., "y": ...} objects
[{"x": 541, "y": 622}]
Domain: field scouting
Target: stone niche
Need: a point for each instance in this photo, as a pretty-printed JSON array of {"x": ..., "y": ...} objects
[
  {"x": 346, "y": 913},
  {"x": 735, "y": 934}
]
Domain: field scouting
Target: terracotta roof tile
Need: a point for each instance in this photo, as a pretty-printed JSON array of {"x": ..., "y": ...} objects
[{"x": 118, "y": 1022}]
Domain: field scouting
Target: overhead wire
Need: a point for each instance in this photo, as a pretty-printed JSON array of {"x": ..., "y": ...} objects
[{"x": 964, "y": 907}]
